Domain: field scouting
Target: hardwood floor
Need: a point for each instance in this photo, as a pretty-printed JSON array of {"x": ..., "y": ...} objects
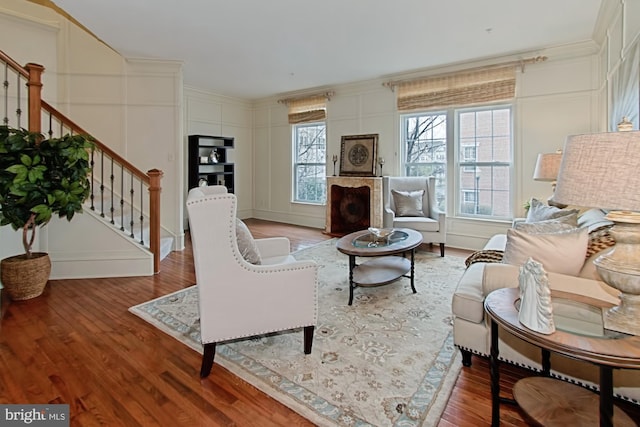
[{"x": 77, "y": 344}]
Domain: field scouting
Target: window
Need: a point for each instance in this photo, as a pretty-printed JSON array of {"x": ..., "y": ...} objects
[
  {"x": 483, "y": 142},
  {"x": 484, "y": 179},
  {"x": 425, "y": 149},
  {"x": 309, "y": 163}
]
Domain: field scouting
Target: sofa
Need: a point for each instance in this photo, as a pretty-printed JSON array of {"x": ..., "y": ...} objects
[{"x": 489, "y": 269}]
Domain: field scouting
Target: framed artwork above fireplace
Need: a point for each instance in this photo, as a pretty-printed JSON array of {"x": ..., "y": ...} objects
[{"x": 358, "y": 155}]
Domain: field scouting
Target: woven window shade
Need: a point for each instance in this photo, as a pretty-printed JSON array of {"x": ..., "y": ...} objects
[
  {"x": 464, "y": 88},
  {"x": 310, "y": 109}
]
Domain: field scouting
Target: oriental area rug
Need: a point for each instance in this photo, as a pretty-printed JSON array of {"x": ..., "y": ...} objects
[{"x": 387, "y": 360}]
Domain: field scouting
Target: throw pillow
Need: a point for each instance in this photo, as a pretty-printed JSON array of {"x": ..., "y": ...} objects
[
  {"x": 548, "y": 226},
  {"x": 408, "y": 203},
  {"x": 593, "y": 219},
  {"x": 562, "y": 252},
  {"x": 246, "y": 244},
  {"x": 563, "y": 223},
  {"x": 599, "y": 240},
  {"x": 538, "y": 211}
]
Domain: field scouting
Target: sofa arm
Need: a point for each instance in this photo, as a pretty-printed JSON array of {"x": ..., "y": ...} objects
[{"x": 498, "y": 275}]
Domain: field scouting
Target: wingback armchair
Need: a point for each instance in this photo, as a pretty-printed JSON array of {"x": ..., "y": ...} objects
[
  {"x": 238, "y": 299},
  {"x": 414, "y": 206}
]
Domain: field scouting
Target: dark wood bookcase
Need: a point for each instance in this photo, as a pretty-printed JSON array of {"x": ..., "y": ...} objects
[{"x": 208, "y": 161}]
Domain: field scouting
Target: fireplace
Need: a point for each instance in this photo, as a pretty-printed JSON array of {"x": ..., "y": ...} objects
[{"x": 353, "y": 203}]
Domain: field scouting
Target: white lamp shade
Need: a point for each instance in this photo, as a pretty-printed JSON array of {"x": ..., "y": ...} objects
[
  {"x": 601, "y": 170},
  {"x": 547, "y": 166}
]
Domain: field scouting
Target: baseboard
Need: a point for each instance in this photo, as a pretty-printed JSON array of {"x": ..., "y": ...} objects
[{"x": 71, "y": 265}]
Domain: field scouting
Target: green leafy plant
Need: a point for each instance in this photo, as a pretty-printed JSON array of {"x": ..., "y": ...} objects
[{"x": 40, "y": 178}]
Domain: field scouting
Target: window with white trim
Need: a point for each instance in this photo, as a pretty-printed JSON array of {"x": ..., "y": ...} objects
[
  {"x": 424, "y": 137},
  {"x": 486, "y": 175},
  {"x": 309, "y": 162},
  {"x": 483, "y": 143}
]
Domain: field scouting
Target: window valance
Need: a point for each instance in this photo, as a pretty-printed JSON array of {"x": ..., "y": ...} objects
[
  {"x": 306, "y": 109},
  {"x": 466, "y": 87}
]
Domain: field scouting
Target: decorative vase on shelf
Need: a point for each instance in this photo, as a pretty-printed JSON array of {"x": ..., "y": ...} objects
[{"x": 213, "y": 156}]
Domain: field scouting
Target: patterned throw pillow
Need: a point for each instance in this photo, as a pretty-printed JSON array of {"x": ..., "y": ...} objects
[
  {"x": 246, "y": 244},
  {"x": 599, "y": 240},
  {"x": 408, "y": 203},
  {"x": 484, "y": 255}
]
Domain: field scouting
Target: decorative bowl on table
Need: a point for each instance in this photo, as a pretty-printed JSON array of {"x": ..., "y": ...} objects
[{"x": 380, "y": 234}]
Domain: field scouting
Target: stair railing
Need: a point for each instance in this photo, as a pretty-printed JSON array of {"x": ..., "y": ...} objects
[{"x": 117, "y": 186}]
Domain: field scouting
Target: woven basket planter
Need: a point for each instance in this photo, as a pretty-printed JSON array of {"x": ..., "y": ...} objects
[{"x": 25, "y": 278}]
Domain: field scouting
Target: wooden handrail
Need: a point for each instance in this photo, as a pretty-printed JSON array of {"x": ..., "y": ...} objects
[
  {"x": 14, "y": 65},
  {"x": 77, "y": 129},
  {"x": 33, "y": 75}
]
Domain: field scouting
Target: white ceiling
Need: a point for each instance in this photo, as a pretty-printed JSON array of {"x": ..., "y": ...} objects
[{"x": 257, "y": 48}]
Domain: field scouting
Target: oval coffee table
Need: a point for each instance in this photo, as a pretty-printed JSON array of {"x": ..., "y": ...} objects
[{"x": 386, "y": 266}]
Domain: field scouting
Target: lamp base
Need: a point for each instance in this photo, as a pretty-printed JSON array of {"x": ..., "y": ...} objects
[
  {"x": 625, "y": 317},
  {"x": 619, "y": 269}
]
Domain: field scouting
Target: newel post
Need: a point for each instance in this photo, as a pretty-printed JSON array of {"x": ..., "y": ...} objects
[
  {"x": 155, "y": 176},
  {"x": 35, "y": 95}
]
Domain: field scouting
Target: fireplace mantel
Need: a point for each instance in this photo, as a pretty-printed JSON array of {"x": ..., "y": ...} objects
[{"x": 363, "y": 190}]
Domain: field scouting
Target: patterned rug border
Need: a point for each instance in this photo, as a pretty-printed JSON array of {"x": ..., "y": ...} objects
[{"x": 432, "y": 394}]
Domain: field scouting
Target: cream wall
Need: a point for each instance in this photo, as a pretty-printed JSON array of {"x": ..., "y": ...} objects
[
  {"x": 210, "y": 114},
  {"x": 554, "y": 99}
]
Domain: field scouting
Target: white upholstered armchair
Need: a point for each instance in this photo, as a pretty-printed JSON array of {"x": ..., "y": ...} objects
[
  {"x": 410, "y": 202},
  {"x": 238, "y": 299}
]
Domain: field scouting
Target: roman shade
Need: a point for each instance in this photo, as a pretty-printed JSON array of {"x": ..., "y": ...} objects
[
  {"x": 463, "y": 88},
  {"x": 307, "y": 109}
]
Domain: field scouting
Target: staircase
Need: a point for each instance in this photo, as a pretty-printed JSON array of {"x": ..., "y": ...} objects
[
  {"x": 119, "y": 233},
  {"x": 121, "y": 221}
]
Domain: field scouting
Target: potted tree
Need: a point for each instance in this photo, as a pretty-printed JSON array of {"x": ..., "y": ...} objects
[{"x": 39, "y": 178}]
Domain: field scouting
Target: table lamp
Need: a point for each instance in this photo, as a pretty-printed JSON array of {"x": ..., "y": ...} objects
[
  {"x": 547, "y": 167},
  {"x": 601, "y": 171}
]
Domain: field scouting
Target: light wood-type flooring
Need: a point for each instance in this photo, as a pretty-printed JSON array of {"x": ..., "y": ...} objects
[{"x": 77, "y": 344}]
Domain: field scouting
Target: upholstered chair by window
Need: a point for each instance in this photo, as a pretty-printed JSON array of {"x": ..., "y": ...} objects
[
  {"x": 410, "y": 202},
  {"x": 246, "y": 286}
]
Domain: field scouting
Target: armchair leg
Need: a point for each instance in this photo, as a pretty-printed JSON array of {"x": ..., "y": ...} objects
[
  {"x": 207, "y": 359},
  {"x": 308, "y": 338},
  {"x": 441, "y": 249}
]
